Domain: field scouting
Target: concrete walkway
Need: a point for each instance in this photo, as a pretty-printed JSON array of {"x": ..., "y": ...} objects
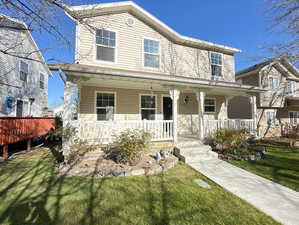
[{"x": 279, "y": 202}]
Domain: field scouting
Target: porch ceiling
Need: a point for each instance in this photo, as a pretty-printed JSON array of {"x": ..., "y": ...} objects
[{"x": 107, "y": 77}]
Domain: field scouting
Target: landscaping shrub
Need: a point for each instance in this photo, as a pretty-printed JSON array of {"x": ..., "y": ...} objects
[
  {"x": 230, "y": 140},
  {"x": 131, "y": 144}
]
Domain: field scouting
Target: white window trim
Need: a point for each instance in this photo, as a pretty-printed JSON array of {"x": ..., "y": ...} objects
[
  {"x": 293, "y": 84},
  {"x": 156, "y": 102},
  {"x": 268, "y": 86},
  {"x": 28, "y": 110},
  {"x": 95, "y": 105},
  {"x": 26, "y": 81},
  {"x": 143, "y": 53},
  {"x": 210, "y": 98},
  {"x": 95, "y": 47},
  {"x": 297, "y": 112},
  {"x": 44, "y": 81},
  {"x": 275, "y": 122},
  {"x": 216, "y": 64}
]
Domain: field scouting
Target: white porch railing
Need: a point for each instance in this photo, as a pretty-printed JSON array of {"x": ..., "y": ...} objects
[
  {"x": 105, "y": 131},
  {"x": 210, "y": 126}
]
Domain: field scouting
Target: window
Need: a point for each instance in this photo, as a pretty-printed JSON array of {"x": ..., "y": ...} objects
[
  {"x": 271, "y": 117},
  {"x": 19, "y": 110},
  {"x": 273, "y": 83},
  {"x": 105, "y": 45},
  {"x": 23, "y": 70},
  {"x": 294, "y": 117},
  {"x": 290, "y": 87},
  {"x": 216, "y": 64},
  {"x": 41, "y": 81},
  {"x": 151, "y": 53},
  {"x": 148, "y": 107},
  {"x": 210, "y": 105},
  {"x": 105, "y": 106}
]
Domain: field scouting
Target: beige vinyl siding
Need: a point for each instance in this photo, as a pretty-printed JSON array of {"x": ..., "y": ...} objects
[{"x": 189, "y": 62}]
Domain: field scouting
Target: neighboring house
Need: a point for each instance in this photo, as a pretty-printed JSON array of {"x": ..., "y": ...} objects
[
  {"x": 23, "y": 72},
  {"x": 133, "y": 71},
  {"x": 278, "y": 105}
]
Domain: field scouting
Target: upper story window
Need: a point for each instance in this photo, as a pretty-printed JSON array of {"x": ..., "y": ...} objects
[
  {"x": 216, "y": 64},
  {"x": 210, "y": 105},
  {"x": 151, "y": 53},
  {"x": 294, "y": 117},
  {"x": 23, "y": 70},
  {"x": 273, "y": 83},
  {"x": 105, "y": 45},
  {"x": 42, "y": 81},
  {"x": 105, "y": 106},
  {"x": 290, "y": 87}
]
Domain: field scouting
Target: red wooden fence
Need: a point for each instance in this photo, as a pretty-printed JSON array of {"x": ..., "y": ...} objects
[{"x": 14, "y": 129}]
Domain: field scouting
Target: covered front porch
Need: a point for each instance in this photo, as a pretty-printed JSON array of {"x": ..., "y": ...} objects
[{"x": 168, "y": 109}]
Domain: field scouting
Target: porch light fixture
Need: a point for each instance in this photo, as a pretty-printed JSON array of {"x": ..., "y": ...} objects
[{"x": 186, "y": 99}]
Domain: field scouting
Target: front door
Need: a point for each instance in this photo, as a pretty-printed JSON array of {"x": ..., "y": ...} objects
[{"x": 167, "y": 108}]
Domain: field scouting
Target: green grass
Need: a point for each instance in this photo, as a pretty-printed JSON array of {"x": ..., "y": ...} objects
[
  {"x": 31, "y": 193},
  {"x": 281, "y": 165}
]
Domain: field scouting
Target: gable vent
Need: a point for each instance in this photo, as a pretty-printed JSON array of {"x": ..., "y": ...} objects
[{"x": 130, "y": 22}]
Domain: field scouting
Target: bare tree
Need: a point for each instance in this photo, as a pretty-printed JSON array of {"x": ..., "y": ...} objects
[{"x": 284, "y": 16}]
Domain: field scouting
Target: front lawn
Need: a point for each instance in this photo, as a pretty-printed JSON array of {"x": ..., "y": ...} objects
[
  {"x": 281, "y": 165},
  {"x": 31, "y": 193}
]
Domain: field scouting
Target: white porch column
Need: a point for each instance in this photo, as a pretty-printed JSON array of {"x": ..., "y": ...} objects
[
  {"x": 200, "y": 96},
  {"x": 175, "y": 94},
  {"x": 254, "y": 111}
]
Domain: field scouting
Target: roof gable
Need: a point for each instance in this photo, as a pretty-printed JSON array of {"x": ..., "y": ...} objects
[{"x": 85, "y": 11}]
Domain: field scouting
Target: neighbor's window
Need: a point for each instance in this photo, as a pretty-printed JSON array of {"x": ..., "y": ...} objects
[
  {"x": 23, "y": 70},
  {"x": 151, "y": 53},
  {"x": 105, "y": 106},
  {"x": 105, "y": 44},
  {"x": 273, "y": 83},
  {"x": 41, "y": 81},
  {"x": 271, "y": 118},
  {"x": 216, "y": 64},
  {"x": 210, "y": 105},
  {"x": 290, "y": 87},
  {"x": 148, "y": 107},
  {"x": 294, "y": 117}
]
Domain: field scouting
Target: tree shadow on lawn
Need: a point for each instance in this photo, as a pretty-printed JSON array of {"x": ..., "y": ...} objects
[{"x": 279, "y": 169}]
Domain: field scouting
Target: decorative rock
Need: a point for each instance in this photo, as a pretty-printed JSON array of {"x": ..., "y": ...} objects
[
  {"x": 158, "y": 156},
  {"x": 137, "y": 172},
  {"x": 118, "y": 172}
]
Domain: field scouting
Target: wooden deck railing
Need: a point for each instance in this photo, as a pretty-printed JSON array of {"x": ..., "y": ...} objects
[{"x": 15, "y": 129}]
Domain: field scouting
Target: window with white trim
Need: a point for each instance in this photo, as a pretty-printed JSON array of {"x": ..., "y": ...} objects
[
  {"x": 210, "y": 105},
  {"x": 42, "y": 81},
  {"x": 290, "y": 87},
  {"x": 273, "y": 83},
  {"x": 294, "y": 117},
  {"x": 24, "y": 70},
  {"x": 105, "y": 106},
  {"x": 271, "y": 117},
  {"x": 105, "y": 45},
  {"x": 148, "y": 107},
  {"x": 151, "y": 50},
  {"x": 216, "y": 64}
]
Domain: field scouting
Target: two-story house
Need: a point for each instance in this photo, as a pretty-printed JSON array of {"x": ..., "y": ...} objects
[
  {"x": 133, "y": 71},
  {"x": 23, "y": 72},
  {"x": 278, "y": 105}
]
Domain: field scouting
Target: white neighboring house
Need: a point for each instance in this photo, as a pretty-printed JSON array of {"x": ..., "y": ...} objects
[{"x": 23, "y": 72}]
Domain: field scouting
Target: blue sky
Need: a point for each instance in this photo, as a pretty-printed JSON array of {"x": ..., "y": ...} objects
[{"x": 236, "y": 23}]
